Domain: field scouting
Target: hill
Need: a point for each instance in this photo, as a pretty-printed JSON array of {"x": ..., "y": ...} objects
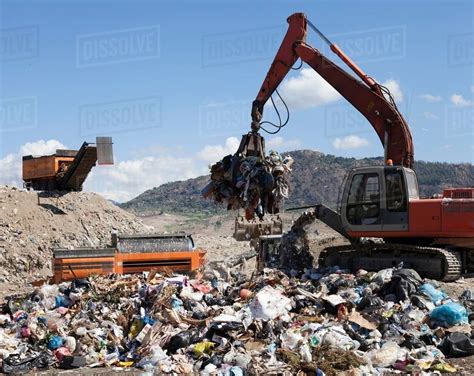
[
  {"x": 316, "y": 177},
  {"x": 32, "y": 223}
]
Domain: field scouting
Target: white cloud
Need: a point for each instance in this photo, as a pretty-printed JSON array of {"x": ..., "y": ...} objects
[
  {"x": 41, "y": 147},
  {"x": 459, "y": 101},
  {"x": 430, "y": 116},
  {"x": 431, "y": 98},
  {"x": 213, "y": 153},
  {"x": 307, "y": 90},
  {"x": 280, "y": 144},
  {"x": 350, "y": 142},
  {"x": 10, "y": 165},
  {"x": 394, "y": 87},
  {"x": 127, "y": 179}
]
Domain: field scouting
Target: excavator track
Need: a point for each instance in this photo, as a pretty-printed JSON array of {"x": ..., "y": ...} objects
[{"x": 430, "y": 262}]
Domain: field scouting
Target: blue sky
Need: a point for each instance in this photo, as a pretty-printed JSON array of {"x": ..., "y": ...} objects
[{"x": 172, "y": 82}]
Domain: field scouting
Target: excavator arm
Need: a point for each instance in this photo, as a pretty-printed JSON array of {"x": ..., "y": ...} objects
[{"x": 365, "y": 94}]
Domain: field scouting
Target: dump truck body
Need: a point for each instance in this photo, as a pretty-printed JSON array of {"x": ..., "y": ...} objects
[{"x": 40, "y": 172}]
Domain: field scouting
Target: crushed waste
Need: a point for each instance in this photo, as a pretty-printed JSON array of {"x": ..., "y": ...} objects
[
  {"x": 323, "y": 321},
  {"x": 250, "y": 179}
]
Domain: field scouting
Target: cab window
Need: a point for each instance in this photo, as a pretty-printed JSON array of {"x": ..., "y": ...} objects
[
  {"x": 363, "y": 203},
  {"x": 412, "y": 185},
  {"x": 396, "y": 192}
]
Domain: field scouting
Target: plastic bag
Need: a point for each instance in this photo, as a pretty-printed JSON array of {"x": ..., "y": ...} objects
[
  {"x": 387, "y": 355},
  {"x": 403, "y": 284},
  {"x": 450, "y": 313},
  {"x": 182, "y": 339},
  {"x": 336, "y": 336},
  {"x": 70, "y": 343},
  {"x": 291, "y": 339},
  {"x": 55, "y": 342},
  {"x": 188, "y": 293},
  {"x": 457, "y": 345},
  {"x": 61, "y": 352},
  {"x": 431, "y": 292},
  {"x": 467, "y": 295},
  {"x": 71, "y": 362},
  {"x": 49, "y": 293},
  {"x": 14, "y": 364},
  {"x": 269, "y": 304},
  {"x": 383, "y": 276},
  {"x": 156, "y": 355},
  {"x": 203, "y": 348},
  {"x": 235, "y": 371},
  {"x": 61, "y": 301}
]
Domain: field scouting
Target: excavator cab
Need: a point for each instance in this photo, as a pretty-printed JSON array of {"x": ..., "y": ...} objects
[{"x": 376, "y": 198}]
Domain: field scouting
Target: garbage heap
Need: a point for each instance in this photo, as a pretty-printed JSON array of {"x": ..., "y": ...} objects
[
  {"x": 249, "y": 179},
  {"x": 294, "y": 249},
  {"x": 329, "y": 321}
]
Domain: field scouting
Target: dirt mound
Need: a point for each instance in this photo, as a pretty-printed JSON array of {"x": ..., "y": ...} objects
[{"x": 32, "y": 223}]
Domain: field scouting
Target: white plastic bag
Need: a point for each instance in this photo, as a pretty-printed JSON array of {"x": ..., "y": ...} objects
[
  {"x": 387, "y": 355},
  {"x": 270, "y": 303}
]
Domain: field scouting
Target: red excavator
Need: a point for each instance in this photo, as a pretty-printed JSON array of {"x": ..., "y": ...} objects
[{"x": 434, "y": 236}]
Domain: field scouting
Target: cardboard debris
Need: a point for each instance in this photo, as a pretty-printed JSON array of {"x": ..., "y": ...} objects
[
  {"x": 358, "y": 319},
  {"x": 466, "y": 328},
  {"x": 334, "y": 300}
]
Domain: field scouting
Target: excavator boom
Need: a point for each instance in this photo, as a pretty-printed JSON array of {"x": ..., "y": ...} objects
[{"x": 365, "y": 94}]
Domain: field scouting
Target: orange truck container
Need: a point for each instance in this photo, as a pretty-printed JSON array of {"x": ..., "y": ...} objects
[
  {"x": 66, "y": 170},
  {"x": 46, "y": 166},
  {"x": 40, "y": 172}
]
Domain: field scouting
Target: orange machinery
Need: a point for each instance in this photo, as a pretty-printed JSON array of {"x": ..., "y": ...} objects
[
  {"x": 435, "y": 235},
  {"x": 129, "y": 254},
  {"x": 66, "y": 170}
]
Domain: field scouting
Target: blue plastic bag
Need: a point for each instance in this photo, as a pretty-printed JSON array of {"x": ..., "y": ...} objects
[
  {"x": 62, "y": 301},
  {"x": 436, "y": 296},
  {"x": 176, "y": 303},
  {"x": 55, "y": 342},
  {"x": 450, "y": 313},
  {"x": 148, "y": 320}
]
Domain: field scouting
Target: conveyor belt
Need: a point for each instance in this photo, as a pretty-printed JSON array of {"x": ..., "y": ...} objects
[
  {"x": 150, "y": 243},
  {"x": 77, "y": 172}
]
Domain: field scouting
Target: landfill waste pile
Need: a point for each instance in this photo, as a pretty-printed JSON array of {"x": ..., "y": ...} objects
[
  {"x": 326, "y": 322},
  {"x": 299, "y": 246},
  {"x": 294, "y": 249},
  {"x": 32, "y": 223},
  {"x": 249, "y": 179}
]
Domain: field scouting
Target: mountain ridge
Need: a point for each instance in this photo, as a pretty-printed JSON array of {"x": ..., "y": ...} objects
[{"x": 316, "y": 177}]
